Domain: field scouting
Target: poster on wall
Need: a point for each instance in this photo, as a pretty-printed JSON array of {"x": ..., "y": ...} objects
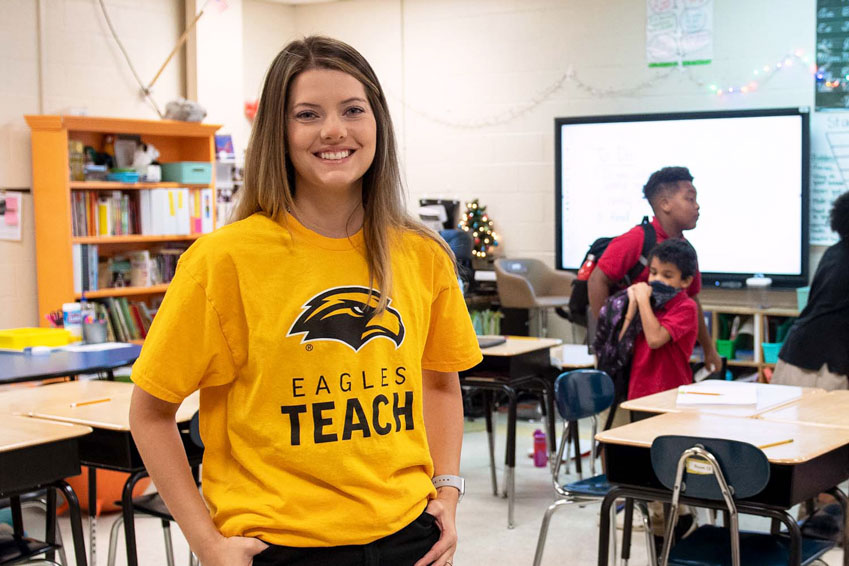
[
  {"x": 832, "y": 78},
  {"x": 679, "y": 32},
  {"x": 829, "y": 171},
  {"x": 10, "y": 216}
]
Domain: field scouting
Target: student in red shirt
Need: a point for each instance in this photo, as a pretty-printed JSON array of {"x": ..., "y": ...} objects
[
  {"x": 672, "y": 196},
  {"x": 662, "y": 350}
]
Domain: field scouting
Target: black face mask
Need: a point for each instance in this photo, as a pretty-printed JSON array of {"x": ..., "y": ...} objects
[{"x": 661, "y": 293}]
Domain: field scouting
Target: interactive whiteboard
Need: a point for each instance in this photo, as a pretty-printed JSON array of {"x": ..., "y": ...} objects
[{"x": 750, "y": 168}]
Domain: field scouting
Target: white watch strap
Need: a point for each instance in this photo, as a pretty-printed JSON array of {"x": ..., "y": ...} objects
[{"x": 457, "y": 482}]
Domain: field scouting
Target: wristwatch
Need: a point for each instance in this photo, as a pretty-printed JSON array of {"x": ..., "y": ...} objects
[{"x": 457, "y": 482}]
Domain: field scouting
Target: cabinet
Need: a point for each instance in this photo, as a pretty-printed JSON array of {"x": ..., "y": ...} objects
[
  {"x": 52, "y": 196},
  {"x": 762, "y": 321}
]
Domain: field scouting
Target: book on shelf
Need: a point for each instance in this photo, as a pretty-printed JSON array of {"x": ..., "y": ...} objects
[
  {"x": 140, "y": 268},
  {"x": 95, "y": 213},
  {"x": 126, "y": 320},
  {"x": 86, "y": 267}
]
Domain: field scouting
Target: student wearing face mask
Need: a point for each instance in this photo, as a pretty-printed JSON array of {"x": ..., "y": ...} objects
[{"x": 668, "y": 318}]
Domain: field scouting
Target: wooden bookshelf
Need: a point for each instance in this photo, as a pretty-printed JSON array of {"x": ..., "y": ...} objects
[
  {"x": 51, "y": 188},
  {"x": 114, "y": 186},
  {"x": 132, "y": 239},
  {"x": 124, "y": 291}
]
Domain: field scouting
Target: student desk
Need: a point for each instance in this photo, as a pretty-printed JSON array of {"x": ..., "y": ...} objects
[
  {"x": 572, "y": 356},
  {"x": 16, "y": 367},
  {"x": 519, "y": 364},
  {"x": 830, "y": 409},
  {"x": 769, "y": 397},
  {"x": 816, "y": 461},
  {"x": 35, "y": 455},
  {"x": 104, "y": 406}
]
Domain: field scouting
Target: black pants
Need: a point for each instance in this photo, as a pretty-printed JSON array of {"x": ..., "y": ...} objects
[{"x": 402, "y": 548}]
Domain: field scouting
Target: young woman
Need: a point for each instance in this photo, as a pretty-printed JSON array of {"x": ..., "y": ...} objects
[{"x": 324, "y": 329}]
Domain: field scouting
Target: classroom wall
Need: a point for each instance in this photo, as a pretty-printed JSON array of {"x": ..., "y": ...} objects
[
  {"x": 455, "y": 71},
  {"x": 74, "y": 63}
]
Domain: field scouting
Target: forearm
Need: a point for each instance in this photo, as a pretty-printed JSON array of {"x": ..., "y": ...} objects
[
  {"x": 443, "y": 417},
  {"x": 155, "y": 433},
  {"x": 598, "y": 290},
  {"x": 656, "y": 334}
]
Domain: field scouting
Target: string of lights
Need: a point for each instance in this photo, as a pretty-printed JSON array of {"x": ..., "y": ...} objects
[{"x": 760, "y": 76}]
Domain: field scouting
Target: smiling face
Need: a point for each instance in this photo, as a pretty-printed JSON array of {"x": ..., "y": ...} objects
[{"x": 331, "y": 131}]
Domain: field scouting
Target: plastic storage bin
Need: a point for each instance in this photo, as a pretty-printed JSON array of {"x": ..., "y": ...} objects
[
  {"x": 725, "y": 348},
  {"x": 123, "y": 176},
  {"x": 20, "y": 338},
  {"x": 802, "y": 297},
  {"x": 187, "y": 172},
  {"x": 771, "y": 350}
]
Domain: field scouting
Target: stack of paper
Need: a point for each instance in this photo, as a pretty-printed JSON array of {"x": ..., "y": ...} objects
[{"x": 716, "y": 392}]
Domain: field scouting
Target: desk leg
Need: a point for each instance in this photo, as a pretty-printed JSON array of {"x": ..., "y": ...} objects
[
  {"x": 17, "y": 515},
  {"x": 50, "y": 521},
  {"x": 129, "y": 520},
  {"x": 510, "y": 454},
  {"x": 844, "y": 504},
  {"x": 490, "y": 435},
  {"x": 92, "y": 514},
  {"x": 604, "y": 527},
  {"x": 76, "y": 522},
  {"x": 573, "y": 429}
]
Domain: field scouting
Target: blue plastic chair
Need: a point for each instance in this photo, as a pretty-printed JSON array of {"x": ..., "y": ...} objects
[
  {"x": 720, "y": 470},
  {"x": 580, "y": 394}
]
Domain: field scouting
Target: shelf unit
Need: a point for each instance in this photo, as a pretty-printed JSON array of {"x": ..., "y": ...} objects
[
  {"x": 760, "y": 321},
  {"x": 51, "y": 187}
]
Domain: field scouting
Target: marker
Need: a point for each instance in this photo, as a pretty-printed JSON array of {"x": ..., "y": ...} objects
[
  {"x": 90, "y": 402},
  {"x": 779, "y": 443}
]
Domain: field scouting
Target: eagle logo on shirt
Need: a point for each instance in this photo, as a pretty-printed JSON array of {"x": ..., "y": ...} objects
[{"x": 346, "y": 314}]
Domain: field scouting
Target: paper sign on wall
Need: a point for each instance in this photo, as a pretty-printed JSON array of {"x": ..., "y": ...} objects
[
  {"x": 829, "y": 171},
  {"x": 679, "y": 32},
  {"x": 10, "y": 215}
]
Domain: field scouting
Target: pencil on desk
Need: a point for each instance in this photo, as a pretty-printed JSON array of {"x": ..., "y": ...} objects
[
  {"x": 90, "y": 402},
  {"x": 779, "y": 443},
  {"x": 699, "y": 393}
]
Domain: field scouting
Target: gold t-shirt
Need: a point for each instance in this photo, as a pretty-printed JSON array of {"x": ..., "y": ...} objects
[{"x": 310, "y": 411}]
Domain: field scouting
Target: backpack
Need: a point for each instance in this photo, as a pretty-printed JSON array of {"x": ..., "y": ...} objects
[{"x": 579, "y": 299}]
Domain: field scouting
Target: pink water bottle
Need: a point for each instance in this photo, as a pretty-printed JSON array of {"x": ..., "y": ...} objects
[{"x": 540, "y": 451}]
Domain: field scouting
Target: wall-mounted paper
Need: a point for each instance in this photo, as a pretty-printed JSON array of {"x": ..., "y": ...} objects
[{"x": 11, "y": 205}]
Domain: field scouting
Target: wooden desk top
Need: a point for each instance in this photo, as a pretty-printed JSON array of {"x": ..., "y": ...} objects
[
  {"x": 22, "y": 432},
  {"x": 769, "y": 397},
  {"x": 830, "y": 409},
  {"x": 518, "y": 345},
  {"x": 71, "y": 402},
  {"x": 572, "y": 356},
  {"x": 809, "y": 441}
]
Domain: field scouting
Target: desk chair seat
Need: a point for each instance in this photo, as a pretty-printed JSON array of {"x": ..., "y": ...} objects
[
  {"x": 708, "y": 546},
  {"x": 716, "y": 469},
  {"x": 580, "y": 394},
  {"x": 15, "y": 550},
  {"x": 531, "y": 284}
]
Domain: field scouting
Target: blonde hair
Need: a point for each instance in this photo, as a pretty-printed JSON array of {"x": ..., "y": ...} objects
[{"x": 269, "y": 174}]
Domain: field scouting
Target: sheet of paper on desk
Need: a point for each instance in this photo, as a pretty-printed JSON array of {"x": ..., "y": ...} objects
[{"x": 715, "y": 392}]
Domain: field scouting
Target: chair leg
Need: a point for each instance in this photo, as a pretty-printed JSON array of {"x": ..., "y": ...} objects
[
  {"x": 169, "y": 548},
  {"x": 113, "y": 540},
  {"x": 613, "y": 552},
  {"x": 193, "y": 560},
  {"x": 543, "y": 531}
]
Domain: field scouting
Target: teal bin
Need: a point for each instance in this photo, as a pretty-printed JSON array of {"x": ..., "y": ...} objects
[
  {"x": 771, "y": 350},
  {"x": 802, "y": 297},
  {"x": 187, "y": 172}
]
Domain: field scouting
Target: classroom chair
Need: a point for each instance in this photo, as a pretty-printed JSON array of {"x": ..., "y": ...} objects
[
  {"x": 531, "y": 284},
  {"x": 152, "y": 505},
  {"x": 580, "y": 394},
  {"x": 715, "y": 469}
]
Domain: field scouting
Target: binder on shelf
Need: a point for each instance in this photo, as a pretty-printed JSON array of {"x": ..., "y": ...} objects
[{"x": 207, "y": 224}]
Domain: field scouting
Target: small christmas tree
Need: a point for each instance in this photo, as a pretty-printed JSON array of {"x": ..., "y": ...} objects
[{"x": 476, "y": 221}]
